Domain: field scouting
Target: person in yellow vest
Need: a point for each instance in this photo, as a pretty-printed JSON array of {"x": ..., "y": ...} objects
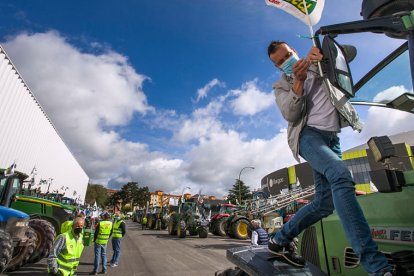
[
  {"x": 118, "y": 232},
  {"x": 67, "y": 225},
  {"x": 102, "y": 233},
  {"x": 64, "y": 256}
]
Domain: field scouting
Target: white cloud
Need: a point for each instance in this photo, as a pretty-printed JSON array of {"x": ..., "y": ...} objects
[
  {"x": 90, "y": 96},
  {"x": 250, "y": 100},
  {"x": 203, "y": 122},
  {"x": 390, "y": 94},
  {"x": 380, "y": 121},
  {"x": 202, "y": 92},
  {"x": 85, "y": 95}
]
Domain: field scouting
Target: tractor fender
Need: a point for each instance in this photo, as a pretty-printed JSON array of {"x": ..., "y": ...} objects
[
  {"x": 237, "y": 217},
  {"x": 52, "y": 221}
]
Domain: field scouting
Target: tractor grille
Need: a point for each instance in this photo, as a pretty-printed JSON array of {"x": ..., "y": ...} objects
[
  {"x": 352, "y": 260},
  {"x": 309, "y": 246}
]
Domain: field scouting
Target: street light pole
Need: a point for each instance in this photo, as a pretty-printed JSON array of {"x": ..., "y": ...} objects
[{"x": 240, "y": 181}]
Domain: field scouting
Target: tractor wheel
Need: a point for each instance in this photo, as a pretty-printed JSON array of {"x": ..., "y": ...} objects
[
  {"x": 6, "y": 248},
  {"x": 203, "y": 232},
  {"x": 22, "y": 254},
  {"x": 181, "y": 231},
  {"x": 171, "y": 227},
  {"x": 228, "y": 228},
  {"x": 45, "y": 237},
  {"x": 220, "y": 227},
  {"x": 213, "y": 228},
  {"x": 240, "y": 229},
  {"x": 151, "y": 223},
  {"x": 193, "y": 232},
  {"x": 158, "y": 224},
  {"x": 163, "y": 224}
]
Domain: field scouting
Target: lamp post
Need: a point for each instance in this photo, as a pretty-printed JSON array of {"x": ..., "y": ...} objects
[{"x": 240, "y": 181}]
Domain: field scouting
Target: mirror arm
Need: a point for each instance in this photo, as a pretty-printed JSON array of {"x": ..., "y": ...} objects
[{"x": 382, "y": 24}]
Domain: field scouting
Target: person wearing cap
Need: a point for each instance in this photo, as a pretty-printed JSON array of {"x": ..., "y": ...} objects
[
  {"x": 102, "y": 233},
  {"x": 118, "y": 232},
  {"x": 64, "y": 257}
]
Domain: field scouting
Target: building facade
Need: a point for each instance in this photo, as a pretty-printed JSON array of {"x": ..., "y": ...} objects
[{"x": 29, "y": 139}]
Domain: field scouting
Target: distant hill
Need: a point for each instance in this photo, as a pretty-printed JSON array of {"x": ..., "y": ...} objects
[{"x": 403, "y": 137}]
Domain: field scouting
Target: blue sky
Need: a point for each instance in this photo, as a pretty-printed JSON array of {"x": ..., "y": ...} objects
[{"x": 167, "y": 93}]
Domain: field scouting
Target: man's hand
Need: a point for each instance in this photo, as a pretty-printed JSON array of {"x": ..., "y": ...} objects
[
  {"x": 314, "y": 55},
  {"x": 300, "y": 69}
]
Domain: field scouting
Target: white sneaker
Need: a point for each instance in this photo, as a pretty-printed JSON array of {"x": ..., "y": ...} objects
[{"x": 114, "y": 265}]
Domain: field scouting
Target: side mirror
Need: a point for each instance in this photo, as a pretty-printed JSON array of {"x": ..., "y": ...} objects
[{"x": 336, "y": 64}]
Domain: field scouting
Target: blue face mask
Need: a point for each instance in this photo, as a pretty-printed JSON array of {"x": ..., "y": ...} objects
[{"x": 287, "y": 66}]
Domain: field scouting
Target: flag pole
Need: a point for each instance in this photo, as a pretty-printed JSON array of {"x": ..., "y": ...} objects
[{"x": 311, "y": 34}]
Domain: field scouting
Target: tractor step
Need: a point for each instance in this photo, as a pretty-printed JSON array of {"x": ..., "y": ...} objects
[{"x": 257, "y": 260}]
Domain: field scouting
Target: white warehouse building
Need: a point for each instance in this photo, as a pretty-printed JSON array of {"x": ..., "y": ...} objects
[{"x": 29, "y": 139}]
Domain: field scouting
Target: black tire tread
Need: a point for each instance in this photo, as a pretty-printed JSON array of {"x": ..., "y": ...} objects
[
  {"x": 46, "y": 236},
  {"x": 6, "y": 248}
]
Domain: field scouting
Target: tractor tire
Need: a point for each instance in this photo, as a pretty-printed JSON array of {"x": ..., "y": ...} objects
[
  {"x": 45, "y": 237},
  {"x": 193, "y": 232},
  {"x": 181, "y": 230},
  {"x": 240, "y": 229},
  {"x": 203, "y": 232},
  {"x": 220, "y": 227},
  {"x": 22, "y": 254},
  {"x": 158, "y": 224},
  {"x": 171, "y": 227},
  {"x": 228, "y": 229},
  {"x": 6, "y": 248},
  {"x": 213, "y": 228},
  {"x": 151, "y": 223},
  {"x": 163, "y": 224}
]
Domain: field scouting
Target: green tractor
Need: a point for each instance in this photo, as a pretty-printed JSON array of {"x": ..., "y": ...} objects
[
  {"x": 17, "y": 238},
  {"x": 191, "y": 217},
  {"x": 161, "y": 217},
  {"x": 46, "y": 216},
  {"x": 388, "y": 211},
  {"x": 237, "y": 225}
]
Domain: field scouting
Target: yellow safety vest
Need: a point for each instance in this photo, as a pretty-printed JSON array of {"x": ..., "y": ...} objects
[
  {"x": 68, "y": 258},
  {"x": 117, "y": 231},
  {"x": 66, "y": 226},
  {"x": 105, "y": 228}
]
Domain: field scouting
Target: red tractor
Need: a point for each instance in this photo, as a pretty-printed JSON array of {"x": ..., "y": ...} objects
[{"x": 218, "y": 221}]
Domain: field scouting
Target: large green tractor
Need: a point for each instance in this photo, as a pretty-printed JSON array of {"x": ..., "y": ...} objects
[
  {"x": 191, "y": 217},
  {"x": 389, "y": 211},
  {"x": 46, "y": 216}
]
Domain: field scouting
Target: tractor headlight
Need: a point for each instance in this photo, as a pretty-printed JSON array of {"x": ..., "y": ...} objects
[{"x": 22, "y": 224}]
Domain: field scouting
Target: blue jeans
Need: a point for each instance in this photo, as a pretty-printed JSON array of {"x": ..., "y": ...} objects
[
  {"x": 116, "y": 246},
  {"x": 100, "y": 253},
  {"x": 334, "y": 189}
]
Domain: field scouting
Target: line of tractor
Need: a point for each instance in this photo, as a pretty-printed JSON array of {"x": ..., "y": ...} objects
[{"x": 29, "y": 221}]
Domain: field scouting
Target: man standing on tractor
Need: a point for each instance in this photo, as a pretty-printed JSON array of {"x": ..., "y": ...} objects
[
  {"x": 64, "y": 257},
  {"x": 102, "y": 233},
  {"x": 118, "y": 232},
  {"x": 314, "y": 118},
  {"x": 259, "y": 235}
]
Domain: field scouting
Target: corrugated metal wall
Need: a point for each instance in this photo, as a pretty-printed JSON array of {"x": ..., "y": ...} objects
[{"x": 28, "y": 137}]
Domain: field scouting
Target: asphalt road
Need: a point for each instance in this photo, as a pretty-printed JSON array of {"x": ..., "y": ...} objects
[{"x": 151, "y": 252}]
